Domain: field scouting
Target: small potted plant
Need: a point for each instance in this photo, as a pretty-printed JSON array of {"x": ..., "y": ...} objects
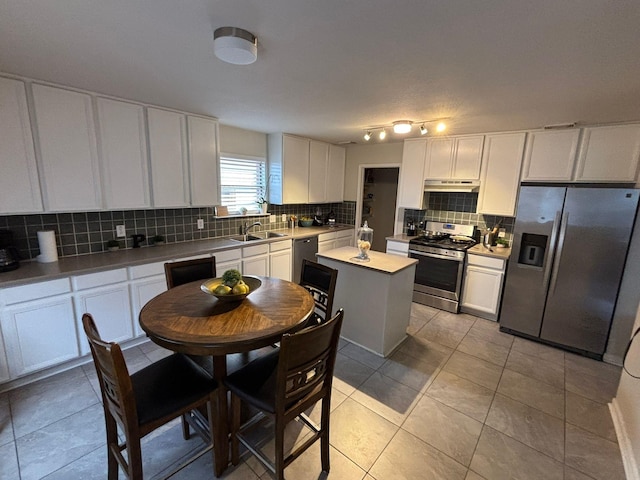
[
  {"x": 113, "y": 245},
  {"x": 158, "y": 240},
  {"x": 262, "y": 204},
  {"x": 502, "y": 243}
]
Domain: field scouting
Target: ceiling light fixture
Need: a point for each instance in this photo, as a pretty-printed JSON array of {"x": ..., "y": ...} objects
[
  {"x": 402, "y": 126},
  {"x": 235, "y": 45}
]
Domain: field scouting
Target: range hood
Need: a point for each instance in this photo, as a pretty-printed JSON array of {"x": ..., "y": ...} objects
[{"x": 454, "y": 186}]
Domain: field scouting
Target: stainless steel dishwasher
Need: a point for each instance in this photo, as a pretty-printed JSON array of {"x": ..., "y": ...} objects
[{"x": 303, "y": 248}]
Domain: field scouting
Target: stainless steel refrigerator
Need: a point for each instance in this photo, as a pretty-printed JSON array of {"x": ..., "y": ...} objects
[{"x": 569, "y": 249}]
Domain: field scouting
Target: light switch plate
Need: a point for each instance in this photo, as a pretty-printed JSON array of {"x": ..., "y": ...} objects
[
  {"x": 272, "y": 218},
  {"x": 200, "y": 224},
  {"x": 120, "y": 231}
]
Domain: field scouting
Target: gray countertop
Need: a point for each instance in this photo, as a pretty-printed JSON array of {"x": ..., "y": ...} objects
[
  {"x": 33, "y": 271},
  {"x": 480, "y": 249}
]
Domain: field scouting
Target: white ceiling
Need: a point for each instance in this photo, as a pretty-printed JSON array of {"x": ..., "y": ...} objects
[{"x": 327, "y": 69}]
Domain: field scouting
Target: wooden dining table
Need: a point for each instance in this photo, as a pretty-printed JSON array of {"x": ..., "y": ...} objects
[{"x": 187, "y": 320}]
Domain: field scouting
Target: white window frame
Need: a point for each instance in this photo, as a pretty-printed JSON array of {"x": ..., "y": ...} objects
[{"x": 251, "y": 204}]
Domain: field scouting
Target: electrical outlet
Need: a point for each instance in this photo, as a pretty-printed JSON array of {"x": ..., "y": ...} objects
[
  {"x": 272, "y": 218},
  {"x": 284, "y": 217},
  {"x": 200, "y": 224},
  {"x": 502, "y": 233},
  {"x": 120, "y": 231}
]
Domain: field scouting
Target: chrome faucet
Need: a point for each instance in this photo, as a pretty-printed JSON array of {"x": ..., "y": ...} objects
[{"x": 247, "y": 227}]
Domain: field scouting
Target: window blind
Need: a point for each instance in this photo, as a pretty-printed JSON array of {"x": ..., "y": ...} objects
[{"x": 242, "y": 183}]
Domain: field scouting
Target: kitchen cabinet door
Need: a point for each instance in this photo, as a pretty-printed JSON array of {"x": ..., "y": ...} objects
[
  {"x": 609, "y": 154},
  {"x": 439, "y": 159},
  {"x": 550, "y": 155},
  {"x": 141, "y": 292},
  {"x": 4, "y": 366},
  {"x": 412, "y": 174},
  {"x": 68, "y": 149},
  {"x": 255, "y": 260},
  {"x": 20, "y": 191},
  {"x": 123, "y": 153},
  {"x": 318, "y": 166},
  {"x": 500, "y": 177},
  {"x": 280, "y": 264},
  {"x": 397, "y": 248},
  {"x": 482, "y": 291},
  {"x": 288, "y": 169},
  {"x": 467, "y": 158},
  {"x": 39, "y": 334},
  {"x": 111, "y": 310},
  {"x": 168, "y": 155},
  {"x": 335, "y": 174},
  {"x": 203, "y": 161}
]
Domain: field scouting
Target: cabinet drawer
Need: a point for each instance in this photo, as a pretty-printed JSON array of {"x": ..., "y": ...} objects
[
  {"x": 401, "y": 247},
  {"x": 148, "y": 270},
  {"x": 255, "y": 250},
  {"x": 489, "y": 262},
  {"x": 35, "y": 291},
  {"x": 228, "y": 255},
  {"x": 92, "y": 280},
  {"x": 280, "y": 245},
  {"x": 344, "y": 233},
  {"x": 324, "y": 237}
]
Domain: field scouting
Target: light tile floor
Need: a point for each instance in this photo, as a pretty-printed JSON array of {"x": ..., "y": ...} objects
[{"x": 458, "y": 400}]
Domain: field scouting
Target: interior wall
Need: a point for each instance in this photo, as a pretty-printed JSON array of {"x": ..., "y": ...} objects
[
  {"x": 242, "y": 142},
  {"x": 367, "y": 154},
  {"x": 381, "y": 185}
]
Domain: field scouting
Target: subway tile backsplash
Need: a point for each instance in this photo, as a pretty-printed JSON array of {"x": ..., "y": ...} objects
[{"x": 84, "y": 233}]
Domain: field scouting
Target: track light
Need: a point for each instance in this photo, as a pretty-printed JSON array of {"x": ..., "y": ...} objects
[
  {"x": 382, "y": 134},
  {"x": 402, "y": 126},
  {"x": 441, "y": 127},
  {"x": 423, "y": 130},
  {"x": 367, "y": 136}
]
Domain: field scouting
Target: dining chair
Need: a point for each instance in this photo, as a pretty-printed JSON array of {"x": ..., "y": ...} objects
[
  {"x": 140, "y": 403},
  {"x": 178, "y": 273},
  {"x": 282, "y": 385},
  {"x": 320, "y": 280}
]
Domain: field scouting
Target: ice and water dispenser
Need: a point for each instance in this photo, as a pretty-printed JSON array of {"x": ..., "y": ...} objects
[{"x": 532, "y": 249}]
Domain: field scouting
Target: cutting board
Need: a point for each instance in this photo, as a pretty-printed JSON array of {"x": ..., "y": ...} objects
[{"x": 222, "y": 211}]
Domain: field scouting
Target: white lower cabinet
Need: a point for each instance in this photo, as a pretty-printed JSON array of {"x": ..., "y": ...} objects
[
  {"x": 4, "y": 366},
  {"x": 281, "y": 260},
  {"x": 482, "y": 288},
  {"x": 38, "y": 332},
  {"x": 147, "y": 281},
  {"x": 398, "y": 248},
  {"x": 330, "y": 240},
  {"x": 227, "y": 260},
  {"x": 105, "y": 295},
  {"x": 255, "y": 260}
]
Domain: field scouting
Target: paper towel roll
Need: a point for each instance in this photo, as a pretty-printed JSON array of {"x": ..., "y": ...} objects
[{"x": 47, "y": 244}]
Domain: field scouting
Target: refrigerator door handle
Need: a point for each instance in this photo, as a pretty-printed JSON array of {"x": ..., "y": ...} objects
[
  {"x": 556, "y": 263},
  {"x": 552, "y": 249}
]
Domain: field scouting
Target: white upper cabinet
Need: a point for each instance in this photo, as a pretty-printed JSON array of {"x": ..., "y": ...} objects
[
  {"x": 123, "y": 154},
  {"x": 454, "y": 158},
  {"x": 203, "y": 161},
  {"x": 609, "y": 154},
  {"x": 411, "y": 181},
  {"x": 500, "y": 179},
  {"x": 550, "y": 155},
  {"x": 288, "y": 169},
  {"x": 168, "y": 154},
  {"x": 335, "y": 174},
  {"x": 68, "y": 149},
  {"x": 20, "y": 191},
  {"x": 318, "y": 169}
]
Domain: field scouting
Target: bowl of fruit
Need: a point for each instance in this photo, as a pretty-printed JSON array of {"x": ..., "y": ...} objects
[
  {"x": 231, "y": 287},
  {"x": 306, "y": 221}
]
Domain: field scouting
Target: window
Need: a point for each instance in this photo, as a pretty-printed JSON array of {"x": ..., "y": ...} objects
[{"x": 242, "y": 182}]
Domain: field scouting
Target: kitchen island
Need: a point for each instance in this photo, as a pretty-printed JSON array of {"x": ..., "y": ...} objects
[{"x": 376, "y": 297}]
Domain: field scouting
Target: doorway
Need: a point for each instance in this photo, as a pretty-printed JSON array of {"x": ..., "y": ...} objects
[{"x": 377, "y": 201}]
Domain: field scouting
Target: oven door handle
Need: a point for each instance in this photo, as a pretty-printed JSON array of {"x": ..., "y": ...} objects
[{"x": 435, "y": 255}]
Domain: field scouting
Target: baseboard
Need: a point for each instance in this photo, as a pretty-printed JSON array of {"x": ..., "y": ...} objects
[{"x": 626, "y": 448}]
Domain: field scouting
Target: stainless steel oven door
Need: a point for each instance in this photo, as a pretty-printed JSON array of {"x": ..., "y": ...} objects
[{"x": 438, "y": 280}]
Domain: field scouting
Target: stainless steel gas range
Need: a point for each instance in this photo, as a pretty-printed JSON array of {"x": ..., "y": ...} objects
[{"x": 440, "y": 253}]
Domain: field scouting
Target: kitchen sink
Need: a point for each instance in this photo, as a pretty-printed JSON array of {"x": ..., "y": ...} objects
[{"x": 251, "y": 237}]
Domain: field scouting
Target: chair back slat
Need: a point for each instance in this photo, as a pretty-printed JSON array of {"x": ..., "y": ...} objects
[
  {"x": 113, "y": 375},
  {"x": 186, "y": 271},
  {"x": 320, "y": 281},
  {"x": 307, "y": 359}
]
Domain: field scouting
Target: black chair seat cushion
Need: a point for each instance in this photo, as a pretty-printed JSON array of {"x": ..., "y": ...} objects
[
  {"x": 255, "y": 383},
  {"x": 168, "y": 385}
]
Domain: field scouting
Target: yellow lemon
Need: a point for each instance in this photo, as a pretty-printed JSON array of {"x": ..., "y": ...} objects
[
  {"x": 222, "y": 290},
  {"x": 240, "y": 288}
]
